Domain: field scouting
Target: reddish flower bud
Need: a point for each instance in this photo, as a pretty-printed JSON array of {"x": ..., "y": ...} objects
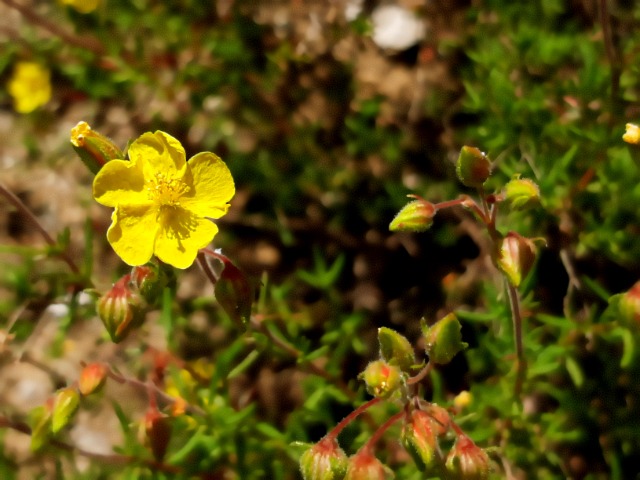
[
  {"x": 364, "y": 466},
  {"x": 440, "y": 417},
  {"x": 396, "y": 349},
  {"x": 92, "y": 378},
  {"x": 515, "y": 258},
  {"x": 120, "y": 309},
  {"x": 419, "y": 437},
  {"x": 158, "y": 430},
  {"x": 233, "y": 291},
  {"x": 324, "y": 461},
  {"x": 629, "y": 304},
  {"x": 416, "y": 216},
  {"x": 466, "y": 461},
  {"x": 443, "y": 339},
  {"x": 382, "y": 379},
  {"x": 93, "y": 148},
  {"x": 150, "y": 281},
  {"x": 473, "y": 167}
]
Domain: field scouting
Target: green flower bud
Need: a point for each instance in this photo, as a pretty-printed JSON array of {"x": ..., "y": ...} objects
[
  {"x": 473, "y": 167},
  {"x": 65, "y": 405},
  {"x": 396, "y": 349},
  {"x": 364, "y": 466},
  {"x": 93, "y": 148},
  {"x": 521, "y": 192},
  {"x": 92, "y": 378},
  {"x": 416, "y": 216},
  {"x": 443, "y": 339},
  {"x": 150, "y": 281},
  {"x": 516, "y": 255},
  {"x": 121, "y": 310},
  {"x": 324, "y": 461},
  {"x": 382, "y": 379},
  {"x": 158, "y": 430},
  {"x": 419, "y": 438},
  {"x": 40, "y": 423},
  {"x": 466, "y": 461}
]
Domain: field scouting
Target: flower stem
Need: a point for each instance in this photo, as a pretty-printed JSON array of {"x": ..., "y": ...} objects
[
  {"x": 521, "y": 361},
  {"x": 335, "y": 431},
  {"x": 420, "y": 375},
  {"x": 377, "y": 435}
]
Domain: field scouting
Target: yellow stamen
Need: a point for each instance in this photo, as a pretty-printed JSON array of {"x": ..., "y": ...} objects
[{"x": 166, "y": 191}]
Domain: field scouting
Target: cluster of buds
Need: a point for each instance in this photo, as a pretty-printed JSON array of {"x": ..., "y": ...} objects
[
  {"x": 424, "y": 423},
  {"x": 124, "y": 306}
]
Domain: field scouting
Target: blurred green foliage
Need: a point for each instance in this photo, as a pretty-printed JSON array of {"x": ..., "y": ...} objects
[{"x": 323, "y": 151}]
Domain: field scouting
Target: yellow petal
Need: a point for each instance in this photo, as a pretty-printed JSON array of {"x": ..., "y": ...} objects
[
  {"x": 132, "y": 233},
  {"x": 211, "y": 186},
  {"x": 120, "y": 182},
  {"x": 160, "y": 153},
  {"x": 180, "y": 237}
]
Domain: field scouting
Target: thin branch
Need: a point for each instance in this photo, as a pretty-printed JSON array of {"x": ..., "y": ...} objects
[
  {"x": 86, "y": 42},
  {"x": 335, "y": 431},
  {"x": 149, "y": 388},
  {"x": 612, "y": 56},
  {"x": 24, "y": 210}
]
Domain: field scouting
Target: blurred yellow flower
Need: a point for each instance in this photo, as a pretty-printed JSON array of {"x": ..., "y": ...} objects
[
  {"x": 632, "y": 134},
  {"x": 30, "y": 86},
  {"x": 163, "y": 204},
  {"x": 463, "y": 399},
  {"x": 82, "y": 6}
]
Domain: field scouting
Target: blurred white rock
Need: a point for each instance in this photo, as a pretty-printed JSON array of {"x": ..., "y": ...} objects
[{"x": 396, "y": 28}]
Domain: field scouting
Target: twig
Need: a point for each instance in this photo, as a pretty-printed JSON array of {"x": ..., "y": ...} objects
[
  {"x": 88, "y": 43},
  {"x": 149, "y": 388},
  {"x": 16, "y": 202},
  {"x": 610, "y": 49}
]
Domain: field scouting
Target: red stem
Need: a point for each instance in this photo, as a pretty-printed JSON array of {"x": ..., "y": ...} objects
[
  {"x": 333, "y": 434},
  {"x": 377, "y": 435}
]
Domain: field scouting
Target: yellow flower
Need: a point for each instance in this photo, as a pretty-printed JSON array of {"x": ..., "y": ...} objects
[
  {"x": 632, "y": 134},
  {"x": 82, "y": 6},
  {"x": 463, "y": 399},
  {"x": 163, "y": 204},
  {"x": 30, "y": 86}
]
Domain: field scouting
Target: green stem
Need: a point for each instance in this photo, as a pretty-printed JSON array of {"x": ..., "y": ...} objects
[{"x": 521, "y": 361}]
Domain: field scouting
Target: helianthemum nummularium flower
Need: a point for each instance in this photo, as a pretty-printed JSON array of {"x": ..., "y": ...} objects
[
  {"x": 30, "y": 86},
  {"x": 163, "y": 204}
]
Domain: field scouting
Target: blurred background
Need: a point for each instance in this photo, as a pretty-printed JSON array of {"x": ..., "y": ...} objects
[{"x": 328, "y": 113}]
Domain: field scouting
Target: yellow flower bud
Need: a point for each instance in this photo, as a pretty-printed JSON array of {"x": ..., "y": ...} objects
[{"x": 632, "y": 134}]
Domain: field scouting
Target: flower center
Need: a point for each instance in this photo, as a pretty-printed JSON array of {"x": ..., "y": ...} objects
[{"x": 166, "y": 191}]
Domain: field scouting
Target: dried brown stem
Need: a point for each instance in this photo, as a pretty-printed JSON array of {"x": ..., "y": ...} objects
[
  {"x": 86, "y": 42},
  {"x": 24, "y": 210}
]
